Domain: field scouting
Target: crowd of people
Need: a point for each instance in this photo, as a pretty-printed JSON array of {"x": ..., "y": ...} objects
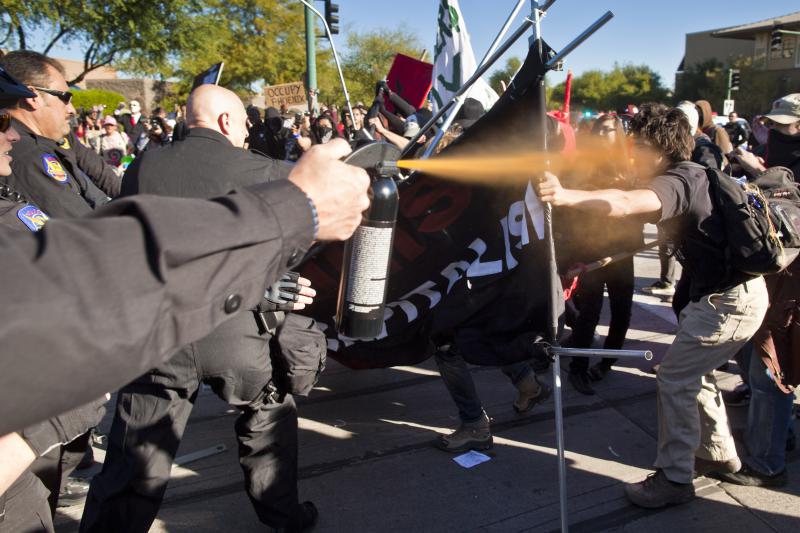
[{"x": 74, "y": 178}]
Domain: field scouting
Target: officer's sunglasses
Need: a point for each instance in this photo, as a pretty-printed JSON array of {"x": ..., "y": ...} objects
[
  {"x": 64, "y": 96},
  {"x": 5, "y": 122}
]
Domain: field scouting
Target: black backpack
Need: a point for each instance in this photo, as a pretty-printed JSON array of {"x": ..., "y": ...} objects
[{"x": 761, "y": 219}]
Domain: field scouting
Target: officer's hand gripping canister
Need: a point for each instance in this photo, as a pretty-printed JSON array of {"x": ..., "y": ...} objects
[{"x": 365, "y": 267}]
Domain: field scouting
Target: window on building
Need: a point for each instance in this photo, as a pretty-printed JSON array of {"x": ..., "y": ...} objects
[{"x": 787, "y": 49}]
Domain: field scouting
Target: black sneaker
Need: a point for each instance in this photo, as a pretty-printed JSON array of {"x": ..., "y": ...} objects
[
  {"x": 660, "y": 288},
  {"x": 738, "y": 397},
  {"x": 73, "y": 493},
  {"x": 599, "y": 371},
  {"x": 750, "y": 477},
  {"x": 304, "y": 519},
  {"x": 581, "y": 383}
]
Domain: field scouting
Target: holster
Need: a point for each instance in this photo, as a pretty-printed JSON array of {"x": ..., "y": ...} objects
[{"x": 269, "y": 322}]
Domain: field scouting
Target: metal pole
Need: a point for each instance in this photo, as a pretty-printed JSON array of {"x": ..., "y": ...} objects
[
  {"x": 311, "y": 61},
  {"x": 460, "y": 102},
  {"x": 564, "y": 52},
  {"x": 730, "y": 80},
  {"x": 554, "y": 292},
  {"x": 467, "y": 84},
  {"x": 599, "y": 352},
  {"x": 311, "y": 8}
]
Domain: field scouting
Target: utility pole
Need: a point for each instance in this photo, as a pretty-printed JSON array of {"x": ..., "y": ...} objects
[{"x": 311, "y": 61}]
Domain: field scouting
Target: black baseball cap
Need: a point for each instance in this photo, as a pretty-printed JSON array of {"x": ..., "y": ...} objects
[{"x": 11, "y": 91}]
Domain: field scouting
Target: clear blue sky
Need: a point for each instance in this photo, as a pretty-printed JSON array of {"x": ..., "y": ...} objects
[{"x": 644, "y": 31}]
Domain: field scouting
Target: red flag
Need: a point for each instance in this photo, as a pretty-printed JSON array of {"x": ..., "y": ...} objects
[{"x": 411, "y": 79}]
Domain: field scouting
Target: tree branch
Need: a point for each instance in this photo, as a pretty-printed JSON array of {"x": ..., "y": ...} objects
[
  {"x": 89, "y": 63},
  {"x": 55, "y": 39},
  {"x": 21, "y": 35}
]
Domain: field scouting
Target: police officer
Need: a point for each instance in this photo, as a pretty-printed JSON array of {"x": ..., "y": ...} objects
[
  {"x": 234, "y": 360},
  {"x": 30, "y": 501},
  {"x": 41, "y": 169},
  {"x": 160, "y": 272}
]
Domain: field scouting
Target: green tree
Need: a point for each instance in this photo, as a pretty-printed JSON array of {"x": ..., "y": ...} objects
[
  {"x": 614, "y": 89},
  {"x": 91, "y": 97},
  {"x": 505, "y": 74},
  {"x": 367, "y": 59},
  {"x": 136, "y": 35},
  {"x": 709, "y": 81}
]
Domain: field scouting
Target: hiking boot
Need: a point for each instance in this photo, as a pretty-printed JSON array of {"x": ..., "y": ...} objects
[
  {"x": 530, "y": 392},
  {"x": 581, "y": 382},
  {"x": 657, "y": 491},
  {"x": 704, "y": 467},
  {"x": 599, "y": 371},
  {"x": 750, "y": 477},
  {"x": 475, "y": 435},
  {"x": 660, "y": 288},
  {"x": 738, "y": 397}
]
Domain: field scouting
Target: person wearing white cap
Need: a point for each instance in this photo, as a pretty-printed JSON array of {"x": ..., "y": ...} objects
[
  {"x": 112, "y": 144},
  {"x": 783, "y": 143},
  {"x": 705, "y": 152}
]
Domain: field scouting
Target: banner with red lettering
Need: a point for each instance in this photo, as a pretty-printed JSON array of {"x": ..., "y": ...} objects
[{"x": 468, "y": 263}]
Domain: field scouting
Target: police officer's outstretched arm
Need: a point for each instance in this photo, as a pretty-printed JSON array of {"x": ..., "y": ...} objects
[{"x": 105, "y": 298}]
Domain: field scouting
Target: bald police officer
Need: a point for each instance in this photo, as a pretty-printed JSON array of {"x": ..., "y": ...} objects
[{"x": 235, "y": 360}]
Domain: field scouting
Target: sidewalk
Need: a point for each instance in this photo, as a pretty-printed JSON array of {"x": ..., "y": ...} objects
[{"x": 368, "y": 463}]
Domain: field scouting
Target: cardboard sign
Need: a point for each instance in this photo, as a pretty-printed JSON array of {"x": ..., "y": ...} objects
[{"x": 291, "y": 94}]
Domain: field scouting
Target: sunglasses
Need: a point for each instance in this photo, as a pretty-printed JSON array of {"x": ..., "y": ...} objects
[
  {"x": 64, "y": 96},
  {"x": 5, "y": 122}
]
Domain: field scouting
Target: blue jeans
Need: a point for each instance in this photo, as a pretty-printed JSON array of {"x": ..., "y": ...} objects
[
  {"x": 458, "y": 380},
  {"x": 768, "y": 421}
]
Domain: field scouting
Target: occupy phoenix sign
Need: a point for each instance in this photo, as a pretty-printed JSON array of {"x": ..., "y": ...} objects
[{"x": 291, "y": 94}]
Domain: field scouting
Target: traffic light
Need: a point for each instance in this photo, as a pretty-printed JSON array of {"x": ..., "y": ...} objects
[
  {"x": 776, "y": 40},
  {"x": 332, "y": 16},
  {"x": 736, "y": 80}
]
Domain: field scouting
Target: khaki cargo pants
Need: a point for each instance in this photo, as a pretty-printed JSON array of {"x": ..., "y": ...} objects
[{"x": 691, "y": 416}]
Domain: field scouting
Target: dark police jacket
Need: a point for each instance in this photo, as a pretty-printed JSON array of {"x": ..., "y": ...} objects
[
  {"x": 203, "y": 165},
  {"x": 147, "y": 275},
  {"x": 49, "y": 177}
]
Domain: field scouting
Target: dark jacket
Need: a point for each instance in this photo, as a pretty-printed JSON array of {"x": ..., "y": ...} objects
[
  {"x": 147, "y": 276},
  {"x": 100, "y": 172},
  {"x": 203, "y": 165},
  {"x": 50, "y": 178}
]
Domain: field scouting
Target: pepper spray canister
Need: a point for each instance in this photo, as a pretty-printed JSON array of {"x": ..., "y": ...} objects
[{"x": 367, "y": 254}]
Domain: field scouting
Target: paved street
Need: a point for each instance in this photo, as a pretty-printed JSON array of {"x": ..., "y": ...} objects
[{"x": 367, "y": 460}]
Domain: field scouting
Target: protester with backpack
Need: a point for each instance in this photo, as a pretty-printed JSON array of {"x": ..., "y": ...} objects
[
  {"x": 726, "y": 308},
  {"x": 775, "y": 371}
]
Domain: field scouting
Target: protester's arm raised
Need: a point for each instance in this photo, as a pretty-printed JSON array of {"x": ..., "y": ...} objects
[{"x": 610, "y": 202}]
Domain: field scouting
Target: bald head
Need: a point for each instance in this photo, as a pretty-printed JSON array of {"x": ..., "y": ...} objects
[{"x": 217, "y": 108}]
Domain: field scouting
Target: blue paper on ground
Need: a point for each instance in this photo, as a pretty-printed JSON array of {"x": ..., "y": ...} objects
[{"x": 471, "y": 458}]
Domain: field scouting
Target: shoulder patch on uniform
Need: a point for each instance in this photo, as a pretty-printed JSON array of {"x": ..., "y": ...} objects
[
  {"x": 32, "y": 216},
  {"x": 52, "y": 167}
]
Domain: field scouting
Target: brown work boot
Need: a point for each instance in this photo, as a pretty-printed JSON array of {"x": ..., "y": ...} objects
[
  {"x": 530, "y": 392},
  {"x": 475, "y": 435},
  {"x": 657, "y": 491},
  {"x": 704, "y": 467}
]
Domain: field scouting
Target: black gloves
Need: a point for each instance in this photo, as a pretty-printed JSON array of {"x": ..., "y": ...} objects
[{"x": 281, "y": 295}]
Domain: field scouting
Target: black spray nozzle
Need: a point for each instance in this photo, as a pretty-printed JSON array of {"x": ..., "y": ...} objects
[{"x": 387, "y": 168}]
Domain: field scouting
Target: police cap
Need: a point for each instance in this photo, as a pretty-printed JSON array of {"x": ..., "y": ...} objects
[{"x": 11, "y": 91}]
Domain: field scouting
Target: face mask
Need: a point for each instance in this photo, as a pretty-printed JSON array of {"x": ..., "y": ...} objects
[{"x": 325, "y": 134}]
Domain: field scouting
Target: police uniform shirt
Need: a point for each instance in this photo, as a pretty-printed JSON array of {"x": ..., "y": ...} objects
[
  {"x": 49, "y": 179},
  {"x": 20, "y": 216}
]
